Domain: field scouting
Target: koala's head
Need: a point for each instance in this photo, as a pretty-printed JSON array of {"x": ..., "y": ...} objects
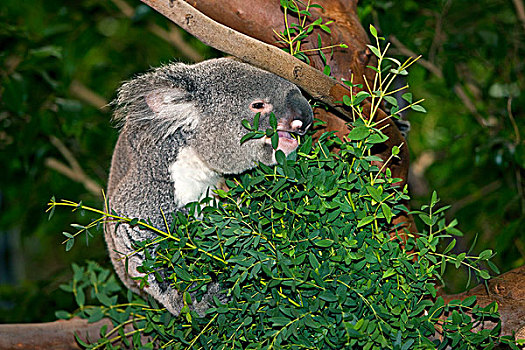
[{"x": 209, "y": 100}]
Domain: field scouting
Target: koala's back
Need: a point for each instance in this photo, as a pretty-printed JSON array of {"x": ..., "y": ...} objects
[{"x": 140, "y": 187}]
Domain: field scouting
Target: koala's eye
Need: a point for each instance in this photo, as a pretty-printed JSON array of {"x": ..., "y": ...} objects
[{"x": 258, "y": 105}]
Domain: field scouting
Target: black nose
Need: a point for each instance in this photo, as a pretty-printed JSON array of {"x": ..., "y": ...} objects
[{"x": 301, "y": 113}]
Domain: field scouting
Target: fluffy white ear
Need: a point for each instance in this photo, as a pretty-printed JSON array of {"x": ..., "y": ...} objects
[
  {"x": 172, "y": 110},
  {"x": 160, "y": 99}
]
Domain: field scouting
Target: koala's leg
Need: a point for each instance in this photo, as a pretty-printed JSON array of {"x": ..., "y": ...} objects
[
  {"x": 118, "y": 247},
  {"x": 119, "y": 243}
]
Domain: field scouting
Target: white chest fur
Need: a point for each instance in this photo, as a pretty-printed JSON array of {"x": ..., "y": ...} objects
[{"x": 191, "y": 177}]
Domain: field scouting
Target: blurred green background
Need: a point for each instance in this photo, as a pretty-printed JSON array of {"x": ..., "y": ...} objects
[{"x": 61, "y": 62}]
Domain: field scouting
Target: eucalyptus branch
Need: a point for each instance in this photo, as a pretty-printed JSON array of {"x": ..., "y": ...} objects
[{"x": 132, "y": 221}]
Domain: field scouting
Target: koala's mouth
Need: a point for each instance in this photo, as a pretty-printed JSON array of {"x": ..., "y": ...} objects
[
  {"x": 287, "y": 143},
  {"x": 285, "y": 135}
]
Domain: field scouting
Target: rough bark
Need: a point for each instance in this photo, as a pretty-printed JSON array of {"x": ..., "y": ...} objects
[
  {"x": 508, "y": 290},
  {"x": 58, "y": 335}
]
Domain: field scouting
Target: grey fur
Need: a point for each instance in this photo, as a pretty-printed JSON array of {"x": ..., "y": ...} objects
[{"x": 180, "y": 132}]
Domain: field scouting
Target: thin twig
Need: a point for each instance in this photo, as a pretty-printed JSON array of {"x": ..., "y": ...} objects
[
  {"x": 431, "y": 67},
  {"x": 74, "y": 171},
  {"x": 481, "y": 193},
  {"x": 520, "y": 11},
  {"x": 407, "y": 52},
  {"x": 87, "y": 95},
  {"x": 517, "y": 141},
  {"x": 438, "y": 31},
  {"x": 172, "y": 36}
]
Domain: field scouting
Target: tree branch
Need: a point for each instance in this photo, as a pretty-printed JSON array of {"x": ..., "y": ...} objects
[
  {"x": 172, "y": 35},
  {"x": 57, "y": 335},
  {"x": 250, "y": 50},
  {"x": 76, "y": 88},
  {"x": 507, "y": 290},
  {"x": 74, "y": 171},
  {"x": 520, "y": 11},
  {"x": 458, "y": 88}
]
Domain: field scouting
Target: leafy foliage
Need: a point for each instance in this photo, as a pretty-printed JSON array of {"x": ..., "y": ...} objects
[
  {"x": 470, "y": 146},
  {"x": 307, "y": 255},
  {"x": 295, "y": 33}
]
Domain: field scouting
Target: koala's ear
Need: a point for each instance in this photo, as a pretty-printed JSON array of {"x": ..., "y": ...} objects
[
  {"x": 161, "y": 99},
  {"x": 172, "y": 109}
]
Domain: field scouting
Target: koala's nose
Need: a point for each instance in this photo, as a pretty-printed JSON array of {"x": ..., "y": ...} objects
[
  {"x": 300, "y": 123},
  {"x": 301, "y": 114}
]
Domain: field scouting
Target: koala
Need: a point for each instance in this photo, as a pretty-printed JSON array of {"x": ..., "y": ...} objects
[{"x": 180, "y": 132}]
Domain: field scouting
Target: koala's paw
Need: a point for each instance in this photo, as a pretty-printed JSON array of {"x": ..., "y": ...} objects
[{"x": 206, "y": 302}]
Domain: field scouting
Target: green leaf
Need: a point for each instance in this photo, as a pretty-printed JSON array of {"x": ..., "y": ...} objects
[
  {"x": 69, "y": 244},
  {"x": 325, "y": 28},
  {"x": 275, "y": 140},
  {"x": 360, "y": 97},
  {"x": 373, "y": 31},
  {"x": 273, "y": 121},
  {"x": 493, "y": 267},
  {"x": 256, "y": 119},
  {"x": 246, "y": 124},
  {"x": 328, "y": 296},
  {"x": 374, "y": 50},
  {"x": 365, "y": 221},
  {"x": 327, "y": 71},
  {"x": 247, "y": 137},
  {"x": 418, "y": 108},
  {"x": 280, "y": 157},
  {"x": 395, "y": 150},
  {"x": 486, "y": 254},
  {"x": 80, "y": 297},
  {"x": 387, "y": 212},
  {"x": 450, "y": 246},
  {"x": 310, "y": 322},
  {"x": 469, "y": 301},
  {"x": 388, "y": 273},
  {"x": 484, "y": 274},
  {"x": 407, "y": 97},
  {"x": 375, "y": 193},
  {"x": 324, "y": 243},
  {"x": 279, "y": 321},
  {"x": 377, "y": 137},
  {"x": 391, "y": 99},
  {"x": 314, "y": 263},
  {"x": 358, "y": 133},
  {"x": 52, "y": 210},
  {"x": 247, "y": 321},
  {"x": 62, "y": 315},
  {"x": 96, "y": 315},
  {"x": 434, "y": 199},
  {"x": 459, "y": 259}
]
